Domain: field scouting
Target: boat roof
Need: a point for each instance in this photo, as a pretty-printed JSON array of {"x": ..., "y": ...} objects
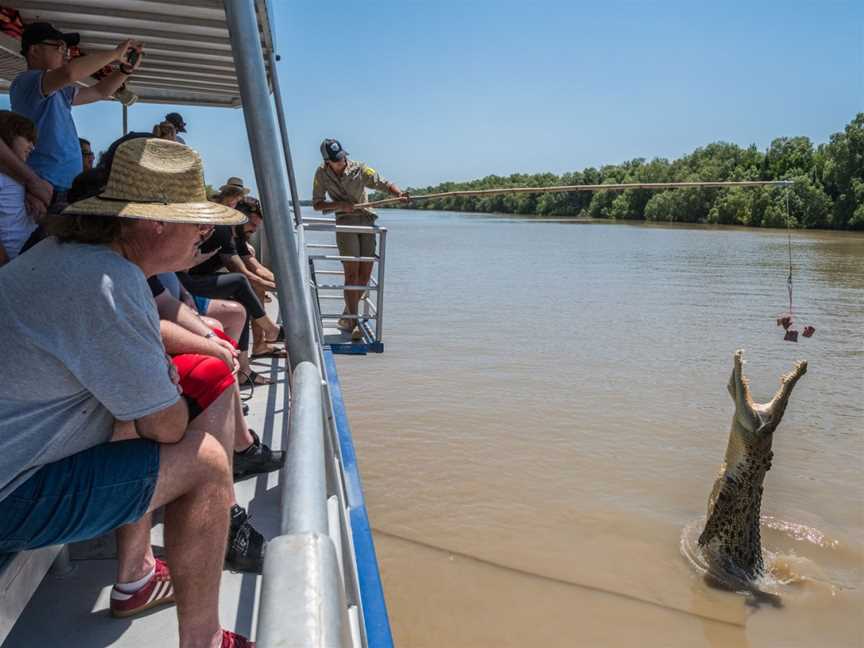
[{"x": 187, "y": 49}]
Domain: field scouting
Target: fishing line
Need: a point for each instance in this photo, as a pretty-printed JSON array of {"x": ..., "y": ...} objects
[
  {"x": 787, "y": 319},
  {"x": 559, "y": 581}
]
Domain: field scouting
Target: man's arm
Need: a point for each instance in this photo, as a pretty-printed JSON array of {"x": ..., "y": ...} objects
[
  {"x": 174, "y": 310},
  {"x": 82, "y": 67},
  {"x": 235, "y": 264},
  {"x": 373, "y": 180},
  {"x": 165, "y": 426},
  {"x": 178, "y": 340},
  {"x": 257, "y": 268},
  {"x": 332, "y": 205}
]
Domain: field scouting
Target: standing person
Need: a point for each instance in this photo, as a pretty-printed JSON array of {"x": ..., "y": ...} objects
[
  {"x": 87, "y": 155},
  {"x": 346, "y": 181},
  {"x": 176, "y": 120},
  {"x": 48, "y": 89}
]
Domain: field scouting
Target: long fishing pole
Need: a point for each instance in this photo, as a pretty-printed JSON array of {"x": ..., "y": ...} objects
[{"x": 573, "y": 188}]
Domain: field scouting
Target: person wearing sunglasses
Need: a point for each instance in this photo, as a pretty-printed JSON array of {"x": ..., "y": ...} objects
[{"x": 48, "y": 89}]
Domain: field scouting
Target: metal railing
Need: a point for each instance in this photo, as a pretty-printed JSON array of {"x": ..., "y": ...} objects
[
  {"x": 372, "y": 309},
  {"x": 311, "y": 592}
]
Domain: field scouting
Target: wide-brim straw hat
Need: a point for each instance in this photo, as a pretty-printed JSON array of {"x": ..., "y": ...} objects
[{"x": 156, "y": 179}]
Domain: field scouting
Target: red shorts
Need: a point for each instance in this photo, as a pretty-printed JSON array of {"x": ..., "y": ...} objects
[{"x": 203, "y": 378}]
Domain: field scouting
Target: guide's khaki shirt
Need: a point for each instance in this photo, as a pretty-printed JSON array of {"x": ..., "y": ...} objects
[{"x": 350, "y": 186}]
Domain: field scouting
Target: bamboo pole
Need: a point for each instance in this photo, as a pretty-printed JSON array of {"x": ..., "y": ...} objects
[{"x": 570, "y": 188}]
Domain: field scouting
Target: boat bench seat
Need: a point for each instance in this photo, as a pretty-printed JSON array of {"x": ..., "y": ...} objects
[{"x": 20, "y": 575}]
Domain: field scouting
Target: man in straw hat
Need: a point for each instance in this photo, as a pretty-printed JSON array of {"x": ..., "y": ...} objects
[{"x": 90, "y": 367}]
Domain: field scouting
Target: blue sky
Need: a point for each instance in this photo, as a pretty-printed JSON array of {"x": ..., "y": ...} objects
[{"x": 427, "y": 92}]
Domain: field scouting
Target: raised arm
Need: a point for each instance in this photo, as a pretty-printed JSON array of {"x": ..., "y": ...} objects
[{"x": 110, "y": 84}]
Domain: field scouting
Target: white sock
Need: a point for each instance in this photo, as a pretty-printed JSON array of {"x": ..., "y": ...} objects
[{"x": 134, "y": 586}]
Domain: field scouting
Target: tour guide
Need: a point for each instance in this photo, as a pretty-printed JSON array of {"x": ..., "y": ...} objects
[{"x": 346, "y": 182}]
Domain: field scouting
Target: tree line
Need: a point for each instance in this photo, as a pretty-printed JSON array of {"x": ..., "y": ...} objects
[{"x": 828, "y": 189}]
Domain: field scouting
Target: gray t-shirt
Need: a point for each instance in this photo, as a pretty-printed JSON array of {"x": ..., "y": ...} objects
[{"x": 80, "y": 347}]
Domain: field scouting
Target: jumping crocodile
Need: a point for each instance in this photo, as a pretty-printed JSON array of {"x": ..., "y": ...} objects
[{"x": 731, "y": 542}]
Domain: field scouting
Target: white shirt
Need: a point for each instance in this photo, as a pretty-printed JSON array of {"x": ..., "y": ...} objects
[{"x": 16, "y": 226}]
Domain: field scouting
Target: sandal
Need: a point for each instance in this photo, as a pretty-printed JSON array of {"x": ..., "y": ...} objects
[
  {"x": 252, "y": 378},
  {"x": 272, "y": 352}
]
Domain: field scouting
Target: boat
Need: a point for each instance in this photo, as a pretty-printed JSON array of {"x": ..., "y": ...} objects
[{"x": 320, "y": 584}]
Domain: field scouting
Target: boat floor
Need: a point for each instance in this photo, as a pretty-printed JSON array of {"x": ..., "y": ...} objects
[{"x": 72, "y": 610}]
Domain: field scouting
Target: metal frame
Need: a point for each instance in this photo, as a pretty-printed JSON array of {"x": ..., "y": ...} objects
[{"x": 372, "y": 311}]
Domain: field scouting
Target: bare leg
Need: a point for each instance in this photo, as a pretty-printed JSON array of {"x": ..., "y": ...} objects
[
  {"x": 231, "y": 314},
  {"x": 195, "y": 485},
  {"x": 352, "y": 277},
  {"x": 134, "y": 553}
]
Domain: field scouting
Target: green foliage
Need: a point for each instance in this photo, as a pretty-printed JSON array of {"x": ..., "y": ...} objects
[{"x": 828, "y": 190}]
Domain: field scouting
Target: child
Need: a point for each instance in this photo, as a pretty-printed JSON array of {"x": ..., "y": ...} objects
[{"x": 16, "y": 226}]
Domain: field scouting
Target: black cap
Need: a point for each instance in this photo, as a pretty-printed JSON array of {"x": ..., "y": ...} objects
[
  {"x": 39, "y": 32},
  {"x": 332, "y": 150},
  {"x": 177, "y": 120}
]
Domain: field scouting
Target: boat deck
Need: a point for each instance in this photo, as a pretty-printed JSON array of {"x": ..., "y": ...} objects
[{"x": 72, "y": 610}]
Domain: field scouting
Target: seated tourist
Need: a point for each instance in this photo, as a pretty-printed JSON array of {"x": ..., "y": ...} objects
[
  {"x": 81, "y": 336},
  {"x": 207, "y": 279},
  {"x": 87, "y": 154},
  {"x": 252, "y": 208},
  {"x": 16, "y": 224},
  {"x": 165, "y": 130}
]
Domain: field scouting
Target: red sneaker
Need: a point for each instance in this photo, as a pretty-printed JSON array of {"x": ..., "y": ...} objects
[
  {"x": 159, "y": 590},
  {"x": 233, "y": 640}
]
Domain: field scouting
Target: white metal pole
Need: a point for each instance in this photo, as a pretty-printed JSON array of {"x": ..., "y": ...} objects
[{"x": 270, "y": 172}]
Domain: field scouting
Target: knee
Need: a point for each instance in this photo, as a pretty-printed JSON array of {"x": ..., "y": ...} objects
[{"x": 213, "y": 469}]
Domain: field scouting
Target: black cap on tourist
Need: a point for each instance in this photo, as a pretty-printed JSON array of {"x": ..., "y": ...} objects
[
  {"x": 39, "y": 32},
  {"x": 177, "y": 120},
  {"x": 332, "y": 150}
]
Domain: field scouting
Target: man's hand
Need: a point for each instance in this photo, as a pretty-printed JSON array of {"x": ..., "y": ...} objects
[
  {"x": 123, "y": 51},
  {"x": 261, "y": 281},
  {"x": 404, "y": 197},
  {"x": 40, "y": 188},
  {"x": 35, "y": 207},
  {"x": 173, "y": 374},
  {"x": 223, "y": 350}
]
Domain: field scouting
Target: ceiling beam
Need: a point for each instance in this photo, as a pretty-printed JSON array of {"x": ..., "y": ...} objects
[{"x": 154, "y": 16}]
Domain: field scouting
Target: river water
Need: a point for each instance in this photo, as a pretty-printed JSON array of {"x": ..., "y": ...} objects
[{"x": 550, "y": 412}]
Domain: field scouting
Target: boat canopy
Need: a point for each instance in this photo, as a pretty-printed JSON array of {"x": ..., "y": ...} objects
[{"x": 188, "y": 57}]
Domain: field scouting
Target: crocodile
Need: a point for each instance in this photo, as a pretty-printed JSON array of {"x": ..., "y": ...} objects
[{"x": 731, "y": 542}]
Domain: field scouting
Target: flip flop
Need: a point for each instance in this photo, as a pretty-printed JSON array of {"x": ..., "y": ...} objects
[
  {"x": 251, "y": 378},
  {"x": 272, "y": 353}
]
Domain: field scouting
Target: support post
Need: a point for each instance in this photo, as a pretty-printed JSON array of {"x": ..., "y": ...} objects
[
  {"x": 280, "y": 114},
  {"x": 270, "y": 173},
  {"x": 125, "y": 119}
]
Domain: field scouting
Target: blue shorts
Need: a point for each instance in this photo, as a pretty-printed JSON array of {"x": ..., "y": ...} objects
[
  {"x": 81, "y": 497},
  {"x": 202, "y": 304}
]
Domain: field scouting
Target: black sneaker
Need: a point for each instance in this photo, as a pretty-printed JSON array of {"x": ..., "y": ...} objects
[
  {"x": 257, "y": 459},
  {"x": 245, "y": 552}
]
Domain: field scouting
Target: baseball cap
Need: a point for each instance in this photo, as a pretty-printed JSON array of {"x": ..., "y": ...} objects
[
  {"x": 177, "y": 120},
  {"x": 39, "y": 32},
  {"x": 332, "y": 150}
]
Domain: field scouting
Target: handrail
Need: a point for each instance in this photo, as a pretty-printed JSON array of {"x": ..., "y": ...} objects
[{"x": 301, "y": 480}]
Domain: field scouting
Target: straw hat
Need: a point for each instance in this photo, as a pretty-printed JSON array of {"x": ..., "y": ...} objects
[
  {"x": 156, "y": 179},
  {"x": 234, "y": 183}
]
